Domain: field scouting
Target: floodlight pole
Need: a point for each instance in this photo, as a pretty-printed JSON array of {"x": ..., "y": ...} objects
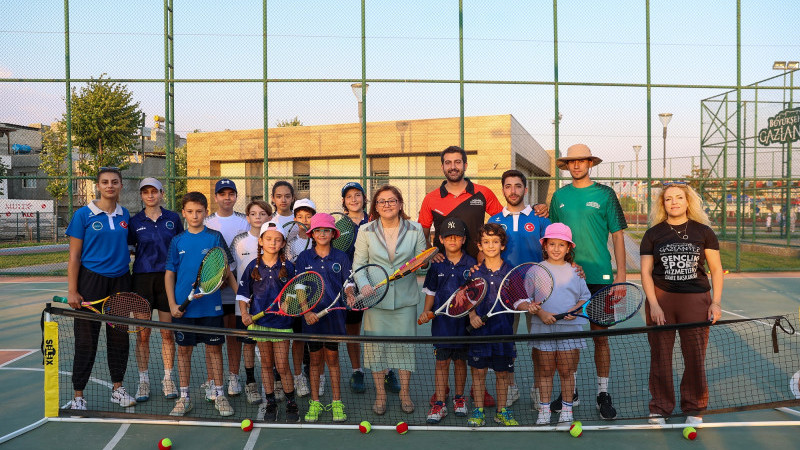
[{"x": 665, "y": 118}]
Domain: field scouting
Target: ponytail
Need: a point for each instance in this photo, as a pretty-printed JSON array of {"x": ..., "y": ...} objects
[
  {"x": 282, "y": 259},
  {"x": 255, "y": 274}
]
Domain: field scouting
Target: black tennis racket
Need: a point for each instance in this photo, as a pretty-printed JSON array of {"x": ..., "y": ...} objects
[
  {"x": 611, "y": 305},
  {"x": 362, "y": 290},
  {"x": 297, "y": 241},
  {"x": 461, "y": 302},
  {"x": 209, "y": 276}
]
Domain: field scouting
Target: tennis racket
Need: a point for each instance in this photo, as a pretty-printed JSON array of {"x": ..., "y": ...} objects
[
  {"x": 121, "y": 304},
  {"x": 611, "y": 305},
  {"x": 297, "y": 240},
  {"x": 528, "y": 281},
  {"x": 209, "y": 276},
  {"x": 347, "y": 232},
  {"x": 299, "y": 296},
  {"x": 413, "y": 264},
  {"x": 462, "y": 301},
  {"x": 363, "y": 289}
]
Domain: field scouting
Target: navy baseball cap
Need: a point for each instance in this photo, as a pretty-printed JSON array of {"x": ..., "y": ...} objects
[
  {"x": 225, "y": 184},
  {"x": 453, "y": 226},
  {"x": 351, "y": 185}
]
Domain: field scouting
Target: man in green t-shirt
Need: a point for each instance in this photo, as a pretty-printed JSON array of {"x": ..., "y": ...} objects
[{"x": 592, "y": 211}]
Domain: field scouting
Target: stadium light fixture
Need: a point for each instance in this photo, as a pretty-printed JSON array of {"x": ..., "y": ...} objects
[
  {"x": 779, "y": 65},
  {"x": 636, "y": 149},
  {"x": 665, "y": 118},
  {"x": 793, "y": 65},
  {"x": 359, "y": 93}
]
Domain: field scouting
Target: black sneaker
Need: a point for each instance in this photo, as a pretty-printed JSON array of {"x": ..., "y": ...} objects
[
  {"x": 555, "y": 405},
  {"x": 271, "y": 412},
  {"x": 607, "y": 411},
  {"x": 292, "y": 412}
]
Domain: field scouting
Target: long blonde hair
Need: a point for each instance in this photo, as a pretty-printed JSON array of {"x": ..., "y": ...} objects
[{"x": 694, "y": 211}]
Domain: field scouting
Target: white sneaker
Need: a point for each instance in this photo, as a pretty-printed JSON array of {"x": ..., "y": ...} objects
[
  {"x": 544, "y": 415},
  {"x": 208, "y": 391},
  {"x": 223, "y": 406},
  {"x": 322, "y": 385},
  {"x": 565, "y": 416},
  {"x": 143, "y": 393},
  {"x": 253, "y": 396},
  {"x": 182, "y": 406},
  {"x": 535, "y": 398},
  {"x": 279, "y": 394},
  {"x": 120, "y": 396},
  {"x": 301, "y": 385},
  {"x": 656, "y": 419},
  {"x": 694, "y": 420},
  {"x": 234, "y": 385},
  {"x": 168, "y": 386},
  {"x": 513, "y": 394},
  {"x": 78, "y": 404}
]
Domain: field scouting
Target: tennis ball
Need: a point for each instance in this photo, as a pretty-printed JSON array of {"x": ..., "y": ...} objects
[
  {"x": 364, "y": 427},
  {"x": 576, "y": 429},
  {"x": 689, "y": 433},
  {"x": 247, "y": 425},
  {"x": 402, "y": 427},
  {"x": 165, "y": 444}
]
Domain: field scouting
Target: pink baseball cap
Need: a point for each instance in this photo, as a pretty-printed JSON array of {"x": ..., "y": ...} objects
[
  {"x": 557, "y": 231},
  {"x": 322, "y": 220}
]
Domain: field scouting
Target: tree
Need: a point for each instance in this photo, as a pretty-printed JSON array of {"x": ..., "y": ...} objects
[
  {"x": 105, "y": 122},
  {"x": 290, "y": 123},
  {"x": 54, "y": 162}
]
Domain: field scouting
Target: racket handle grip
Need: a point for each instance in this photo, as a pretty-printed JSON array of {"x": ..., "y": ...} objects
[
  {"x": 560, "y": 316},
  {"x": 322, "y": 314},
  {"x": 484, "y": 318},
  {"x": 184, "y": 305},
  {"x": 59, "y": 299},
  {"x": 428, "y": 317},
  {"x": 257, "y": 316}
]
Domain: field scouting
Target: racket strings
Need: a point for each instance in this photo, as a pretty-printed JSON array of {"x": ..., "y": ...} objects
[
  {"x": 297, "y": 240},
  {"x": 467, "y": 297},
  {"x": 302, "y": 294},
  {"x": 526, "y": 282},
  {"x": 374, "y": 278},
  {"x": 127, "y": 305},
  {"x": 213, "y": 270},
  {"x": 347, "y": 233},
  {"x": 615, "y": 305}
]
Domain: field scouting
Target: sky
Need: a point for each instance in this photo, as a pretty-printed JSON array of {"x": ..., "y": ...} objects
[{"x": 599, "y": 42}]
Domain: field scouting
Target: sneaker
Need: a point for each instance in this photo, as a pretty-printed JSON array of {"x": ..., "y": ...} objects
[
  {"x": 292, "y": 412},
  {"x": 120, "y": 396},
  {"x": 168, "y": 386},
  {"x": 477, "y": 418},
  {"x": 143, "y": 393},
  {"x": 337, "y": 408},
  {"x": 544, "y": 415},
  {"x": 234, "y": 385},
  {"x": 314, "y": 408},
  {"x": 607, "y": 411},
  {"x": 694, "y": 420},
  {"x": 223, "y": 406},
  {"x": 460, "y": 406},
  {"x": 656, "y": 419},
  {"x": 488, "y": 400},
  {"x": 513, "y": 394},
  {"x": 271, "y": 412},
  {"x": 78, "y": 404},
  {"x": 182, "y": 406},
  {"x": 437, "y": 413},
  {"x": 301, "y": 385},
  {"x": 535, "y": 398},
  {"x": 391, "y": 382},
  {"x": 565, "y": 416},
  {"x": 210, "y": 393},
  {"x": 253, "y": 396},
  {"x": 433, "y": 399},
  {"x": 555, "y": 405},
  {"x": 321, "y": 384},
  {"x": 505, "y": 417},
  {"x": 357, "y": 382}
]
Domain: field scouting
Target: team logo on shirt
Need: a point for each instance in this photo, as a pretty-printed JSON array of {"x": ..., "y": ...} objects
[
  {"x": 505, "y": 227},
  {"x": 476, "y": 202},
  {"x": 170, "y": 225},
  {"x": 594, "y": 205},
  {"x": 465, "y": 274},
  {"x": 97, "y": 226},
  {"x": 123, "y": 224},
  {"x": 336, "y": 267},
  {"x": 283, "y": 279},
  {"x": 529, "y": 227}
]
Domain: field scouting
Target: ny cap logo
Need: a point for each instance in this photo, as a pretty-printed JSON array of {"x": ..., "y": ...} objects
[
  {"x": 451, "y": 224},
  {"x": 225, "y": 182}
]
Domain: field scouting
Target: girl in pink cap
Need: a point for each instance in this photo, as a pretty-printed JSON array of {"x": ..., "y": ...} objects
[{"x": 560, "y": 355}]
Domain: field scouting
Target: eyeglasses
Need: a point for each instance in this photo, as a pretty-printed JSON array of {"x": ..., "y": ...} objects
[
  {"x": 390, "y": 203},
  {"x": 322, "y": 231}
]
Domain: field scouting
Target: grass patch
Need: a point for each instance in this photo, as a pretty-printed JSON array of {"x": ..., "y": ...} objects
[
  {"x": 754, "y": 262},
  {"x": 15, "y": 244},
  {"x": 33, "y": 259}
]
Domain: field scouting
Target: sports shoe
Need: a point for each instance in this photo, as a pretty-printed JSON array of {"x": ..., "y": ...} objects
[
  {"x": 555, "y": 405},
  {"x": 182, "y": 406},
  {"x": 433, "y": 399},
  {"x": 656, "y": 419},
  {"x": 234, "y": 385},
  {"x": 223, "y": 406},
  {"x": 321, "y": 384},
  {"x": 544, "y": 415},
  {"x": 535, "y": 398},
  {"x": 513, "y": 394},
  {"x": 271, "y": 412},
  {"x": 337, "y": 408},
  {"x": 488, "y": 400},
  {"x": 143, "y": 393},
  {"x": 437, "y": 413},
  {"x": 301, "y": 385},
  {"x": 120, "y": 396},
  {"x": 460, "y": 406},
  {"x": 565, "y": 416},
  {"x": 505, "y": 417},
  {"x": 477, "y": 418},
  {"x": 605, "y": 407},
  {"x": 253, "y": 396},
  {"x": 78, "y": 404},
  {"x": 314, "y": 408},
  {"x": 694, "y": 420},
  {"x": 390, "y": 380},
  {"x": 168, "y": 387},
  {"x": 292, "y": 412},
  {"x": 357, "y": 382},
  {"x": 210, "y": 393}
]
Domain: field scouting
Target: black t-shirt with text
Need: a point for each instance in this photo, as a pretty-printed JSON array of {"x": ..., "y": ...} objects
[{"x": 679, "y": 264}]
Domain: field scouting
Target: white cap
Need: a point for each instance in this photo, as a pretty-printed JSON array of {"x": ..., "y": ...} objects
[
  {"x": 305, "y": 203},
  {"x": 151, "y": 182},
  {"x": 272, "y": 225}
]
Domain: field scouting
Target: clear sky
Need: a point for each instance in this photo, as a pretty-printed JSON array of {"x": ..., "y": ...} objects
[{"x": 599, "y": 41}]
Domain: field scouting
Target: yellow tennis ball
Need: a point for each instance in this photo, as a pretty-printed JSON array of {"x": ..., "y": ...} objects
[
  {"x": 364, "y": 427},
  {"x": 247, "y": 425},
  {"x": 690, "y": 433},
  {"x": 402, "y": 427},
  {"x": 576, "y": 429},
  {"x": 165, "y": 444}
]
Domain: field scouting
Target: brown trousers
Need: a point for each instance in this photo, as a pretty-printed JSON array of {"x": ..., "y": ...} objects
[{"x": 679, "y": 308}]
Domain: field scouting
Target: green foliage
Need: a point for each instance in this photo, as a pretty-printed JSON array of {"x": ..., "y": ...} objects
[
  {"x": 54, "y": 162},
  {"x": 105, "y": 121},
  {"x": 180, "y": 169},
  {"x": 629, "y": 204},
  {"x": 290, "y": 123}
]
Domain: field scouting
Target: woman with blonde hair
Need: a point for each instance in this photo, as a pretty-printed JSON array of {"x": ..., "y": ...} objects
[{"x": 674, "y": 253}]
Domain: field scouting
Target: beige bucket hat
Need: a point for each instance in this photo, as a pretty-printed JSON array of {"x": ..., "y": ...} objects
[{"x": 577, "y": 151}]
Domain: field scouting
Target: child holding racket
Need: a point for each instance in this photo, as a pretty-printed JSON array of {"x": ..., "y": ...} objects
[
  {"x": 444, "y": 278},
  {"x": 333, "y": 265},
  {"x": 304, "y": 210},
  {"x": 262, "y": 281},
  {"x": 185, "y": 256},
  {"x": 560, "y": 355}
]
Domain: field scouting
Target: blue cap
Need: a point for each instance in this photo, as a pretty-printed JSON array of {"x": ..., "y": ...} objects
[
  {"x": 225, "y": 184},
  {"x": 351, "y": 185}
]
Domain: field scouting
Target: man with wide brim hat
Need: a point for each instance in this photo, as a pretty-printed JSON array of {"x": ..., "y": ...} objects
[{"x": 577, "y": 152}]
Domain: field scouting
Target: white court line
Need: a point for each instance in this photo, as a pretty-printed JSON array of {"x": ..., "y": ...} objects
[
  {"x": 251, "y": 441},
  {"x": 18, "y": 357},
  {"x": 39, "y": 289},
  {"x": 62, "y": 372},
  {"x": 117, "y": 437},
  {"x": 23, "y": 430},
  {"x": 29, "y": 282}
]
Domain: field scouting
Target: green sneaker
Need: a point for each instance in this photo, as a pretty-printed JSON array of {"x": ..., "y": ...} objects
[
  {"x": 477, "y": 418},
  {"x": 314, "y": 408},
  {"x": 337, "y": 407},
  {"x": 504, "y": 416}
]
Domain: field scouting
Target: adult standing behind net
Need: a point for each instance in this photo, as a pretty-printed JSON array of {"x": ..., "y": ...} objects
[
  {"x": 389, "y": 241},
  {"x": 593, "y": 212},
  {"x": 674, "y": 253},
  {"x": 98, "y": 267}
]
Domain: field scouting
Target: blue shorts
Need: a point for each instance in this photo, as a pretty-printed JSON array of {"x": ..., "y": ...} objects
[
  {"x": 190, "y": 339},
  {"x": 497, "y": 363},
  {"x": 456, "y": 354}
]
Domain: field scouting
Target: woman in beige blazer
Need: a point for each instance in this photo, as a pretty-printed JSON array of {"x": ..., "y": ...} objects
[{"x": 389, "y": 241}]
